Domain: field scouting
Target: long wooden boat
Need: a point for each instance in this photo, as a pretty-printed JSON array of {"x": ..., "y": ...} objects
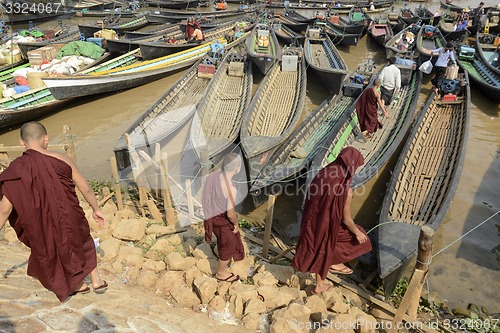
[
  {"x": 297, "y": 152},
  {"x": 485, "y": 78},
  {"x": 424, "y": 180},
  {"x": 384, "y": 142},
  {"x": 407, "y": 16},
  {"x": 126, "y": 45},
  {"x": 108, "y": 13},
  {"x": 7, "y": 70},
  {"x": 291, "y": 23},
  {"x": 175, "y": 4},
  {"x": 216, "y": 124},
  {"x": 175, "y": 17},
  {"x": 69, "y": 36},
  {"x": 342, "y": 24},
  {"x": 293, "y": 14},
  {"x": 451, "y": 35},
  {"x": 266, "y": 54},
  {"x": 450, "y": 7},
  {"x": 130, "y": 76},
  {"x": 36, "y": 17},
  {"x": 288, "y": 35},
  {"x": 160, "y": 28},
  {"x": 488, "y": 51},
  {"x": 396, "y": 24},
  {"x": 357, "y": 15},
  {"x": 424, "y": 42},
  {"x": 120, "y": 27},
  {"x": 169, "y": 113},
  {"x": 425, "y": 15},
  {"x": 324, "y": 60},
  {"x": 344, "y": 8},
  {"x": 380, "y": 32},
  {"x": 394, "y": 46},
  {"x": 161, "y": 47},
  {"x": 274, "y": 110},
  {"x": 340, "y": 37}
]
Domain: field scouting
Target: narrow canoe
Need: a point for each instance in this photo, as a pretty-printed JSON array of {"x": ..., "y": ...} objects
[
  {"x": 451, "y": 35},
  {"x": 120, "y": 27},
  {"x": 265, "y": 55},
  {"x": 380, "y": 32},
  {"x": 393, "y": 48},
  {"x": 426, "y": 42},
  {"x": 488, "y": 51},
  {"x": 339, "y": 36},
  {"x": 288, "y": 35}
]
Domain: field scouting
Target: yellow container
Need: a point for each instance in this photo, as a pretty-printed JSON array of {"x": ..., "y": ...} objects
[
  {"x": 12, "y": 57},
  {"x": 35, "y": 79}
]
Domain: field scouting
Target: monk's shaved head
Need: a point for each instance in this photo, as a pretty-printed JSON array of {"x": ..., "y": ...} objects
[
  {"x": 377, "y": 82},
  {"x": 231, "y": 161},
  {"x": 32, "y": 131}
]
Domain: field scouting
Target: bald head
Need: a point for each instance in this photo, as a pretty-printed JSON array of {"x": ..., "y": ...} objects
[
  {"x": 377, "y": 82},
  {"x": 32, "y": 131},
  {"x": 231, "y": 162}
]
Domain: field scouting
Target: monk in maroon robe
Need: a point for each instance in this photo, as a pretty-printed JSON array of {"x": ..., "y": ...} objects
[
  {"x": 220, "y": 216},
  {"x": 191, "y": 26},
  {"x": 367, "y": 109},
  {"x": 328, "y": 235},
  {"x": 38, "y": 198}
]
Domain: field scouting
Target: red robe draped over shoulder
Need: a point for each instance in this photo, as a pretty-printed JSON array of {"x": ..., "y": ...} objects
[
  {"x": 366, "y": 108},
  {"x": 216, "y": 221},
  {"x": 191, "y": 27},
  {"x": 47, "y": 217},
  {"x": 323, "y": 239}
]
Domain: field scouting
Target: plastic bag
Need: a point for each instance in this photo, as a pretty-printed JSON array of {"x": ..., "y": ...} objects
[{"x": 426, "y": 67}]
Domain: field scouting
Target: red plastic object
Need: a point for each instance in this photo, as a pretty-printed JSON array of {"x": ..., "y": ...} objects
[{"x": 450, "y": 97}]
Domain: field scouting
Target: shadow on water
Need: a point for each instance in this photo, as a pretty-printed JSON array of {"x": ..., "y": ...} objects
[
  {"x": 484, "y": 250},
  {"x": 6, "y": 325},
  {"x": 96, "y": 321}
]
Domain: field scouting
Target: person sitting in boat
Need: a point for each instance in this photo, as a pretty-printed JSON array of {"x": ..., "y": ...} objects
[
  {"x": 371, "y": 5},
  {"x": 191, "y": 26},
  {"x": 390, "y": 77},
  {"x": 367, "y": 109},
  {"x": 403, "y": 44},
  {"x": 197, "y": 36},
  {"x": 462, "y": 26},
  {"x": 445, "y": 54},
  {"x": 464, "y": 16},
  {"x": 172, "y": 40},
  {"x": 480, "y": 15}
]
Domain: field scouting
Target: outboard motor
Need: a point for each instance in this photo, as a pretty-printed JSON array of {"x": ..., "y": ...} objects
[{"x": 450, "y": 86}]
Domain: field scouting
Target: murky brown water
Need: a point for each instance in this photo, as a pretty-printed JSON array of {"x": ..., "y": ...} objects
[{"x": 468, "y": 271}]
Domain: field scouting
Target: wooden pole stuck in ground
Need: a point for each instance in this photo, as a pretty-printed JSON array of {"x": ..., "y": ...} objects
[
  {"x": 269, "y": 225},
  {"x": 167, "y": 200},
  {"x": 69, "y": 144},
  {"x": 189, "y": 196},
  {"x": 116, "y": 180},
  {"x": 412, "y": 295}
]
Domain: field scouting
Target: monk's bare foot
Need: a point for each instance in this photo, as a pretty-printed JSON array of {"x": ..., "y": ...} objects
[
  {"x": 325, "y": 287},
  {"x": 340, "y": 269},
  {"x": 99, "y": 284}
]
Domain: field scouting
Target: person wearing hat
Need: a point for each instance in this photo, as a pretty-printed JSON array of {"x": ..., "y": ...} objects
[
  {"x": 445, "y": 54},
  {"x": 464, "y": 16}
]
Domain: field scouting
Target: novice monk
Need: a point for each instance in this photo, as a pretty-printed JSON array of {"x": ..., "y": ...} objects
[
  {"x": 220, "y": 217},
  {"x": 328, "y": 235},
  {"x": 367, "y": 109},
  {"x": 37, "y": 193}
]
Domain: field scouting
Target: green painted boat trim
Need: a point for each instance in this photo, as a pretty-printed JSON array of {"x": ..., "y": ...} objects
[
  {"x": 342, "y": 140},
  {"x": 7, "y": 74}
]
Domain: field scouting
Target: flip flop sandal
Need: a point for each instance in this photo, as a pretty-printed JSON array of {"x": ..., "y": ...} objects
[
  {"x": 236, "y": 278},
  {"x": 346, "y": 271},
  {"x": 327, "y": 289},
  {"x": 83, "y": 291},
  {"x": 101, "y": 289}
]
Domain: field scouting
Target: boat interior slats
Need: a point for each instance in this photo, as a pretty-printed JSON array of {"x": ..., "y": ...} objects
[{"x": 426, "y": 173}]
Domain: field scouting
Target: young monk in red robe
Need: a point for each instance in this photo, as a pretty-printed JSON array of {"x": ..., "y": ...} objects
[
  {"x": 219, "y": 194},
  {"x": 38, "y": 198},
  {"x": 366, "y": 108},
  {"x": 328, "y": 235}
]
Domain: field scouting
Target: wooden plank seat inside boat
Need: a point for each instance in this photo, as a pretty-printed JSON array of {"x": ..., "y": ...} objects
[
  {"x": 262, "y": 43},
  {"x": 419, "y": 197},
  {"x": 28, "y": 98},
  {"x": 481, "y": 72}
]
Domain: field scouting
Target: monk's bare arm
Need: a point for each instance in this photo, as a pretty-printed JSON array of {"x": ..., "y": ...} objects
[
  {"x": 231, "y": 212},
  {"x": 84, "y": 187},
  {"x": 5, "y": 210},
  {"x": 381, "y": 104},
  {"x": 349, "y": 222}
]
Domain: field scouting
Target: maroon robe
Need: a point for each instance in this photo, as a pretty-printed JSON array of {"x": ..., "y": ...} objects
[
  {"x": 190, "y": 27},
  {"x": 367, "y": 107},
  {"x": 324, "y": 240},
  {"x": 216, "y": 221},
  {"x": 47, "y": 217}
]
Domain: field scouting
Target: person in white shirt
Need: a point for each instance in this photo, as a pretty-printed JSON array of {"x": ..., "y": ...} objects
[{"x": 390, "y": 77}]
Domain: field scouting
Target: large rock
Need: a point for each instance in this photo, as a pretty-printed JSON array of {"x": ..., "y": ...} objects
[
  {"x": 242, "y": 267},
  {"x": 252, "y": 322},
  {"x": 203, "y": 251},
  {"x": 316, "y": 304},
  {"x": 189, "y": 245},
  {"x": 269, "y": 294},
  {"x": 124, "y": 214},
  {"x": 126, "y": 250},
  {"x": 282, "y": 273},
  {"x": 129, "y": 230},
  {"x": 147, "y": 279},
  {"x": 335, "y": 301},
  {"x": 255, "y": 306},
  {"x": 207, "y": 266},
  {"x": 132, "y": 261},
  {"x": 236, "y": 306},
  {"x": 265, "y": 279},
  {"x": 132, "y": 274},
  {"x": 294, "y": 318},
  {"x": 184, "y": 296},
  {"x": 169, "y": 281},
  {"x": 147, "y": 242},
  {"x": 159, "y": 250},
  {"x": 245, "y": 291},
  {"x": 191, "y": 274},
  {"x": 109, "y": 208},
  {"x": 110, "y": 248},
  {"x": 223, "y": 288},
  {"x": 176, "y": 262},
  {"x": 205, "y": 287},
  {"x": 217, "y": 304},
  {"x": 154, "y": 265},
  {"x": 365, "y": 323},
  {"x": 190, "y": 233}
]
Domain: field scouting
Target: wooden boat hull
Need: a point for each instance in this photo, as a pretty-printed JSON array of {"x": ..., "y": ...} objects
[
  {"x": 106, "y": 13},
  {"x": 449, "y": 34},
  {"x": 287, "y": 35},
  {"x": 487, "y": 80},
  {"x": 488, "y": 52},
  {"x": 291, "y": 23},
  {"x": 273, "y": 113},
  {"x": 88, "y": 30},
  {"x": 126, "y": 45},
  {"x": 127, "y": 77},
  {"x": 178, "y": 4},
  {"x": 266, "y": 58},
  {"x": 433, "y": 43},
  {"x": 381, "y": 33},
  {"x": 38, "y": 17},
  {"x": 217, "y": 122},
  {"x": 423, "y": 182},
  {"x": 339, "y": 37},
  {"x": 169, "y": 113},
  {"x": 326, "y": 62},
  {"x": 391, "y": 47},
  {"x": 165, "y": 17},
  {"x": 70, "y": 36}
]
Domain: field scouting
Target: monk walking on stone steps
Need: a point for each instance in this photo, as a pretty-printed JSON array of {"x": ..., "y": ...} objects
[
  {"x": 367, "y": 109},
  {"x": 219, "y": 194},
  {"x": 328, "y": 236},
  {"x": 38, "y": 197}
]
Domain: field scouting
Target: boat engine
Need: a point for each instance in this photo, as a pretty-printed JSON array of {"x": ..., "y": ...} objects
[
  {"x": 466, "y": 53},
  {"x": 429, "y": 32},
  {"x": 450, "y": 86}
]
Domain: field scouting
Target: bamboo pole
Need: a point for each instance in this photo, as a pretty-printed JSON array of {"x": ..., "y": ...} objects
[
  {"x": 189, "y": 196},
  {"x": 157, "y": 159},
  {"x": 269, "y": 225},
  {"x": 116, "y": 178},
  {"x": 69, "y": 144},
  {"x": 167, "y": 200}
]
